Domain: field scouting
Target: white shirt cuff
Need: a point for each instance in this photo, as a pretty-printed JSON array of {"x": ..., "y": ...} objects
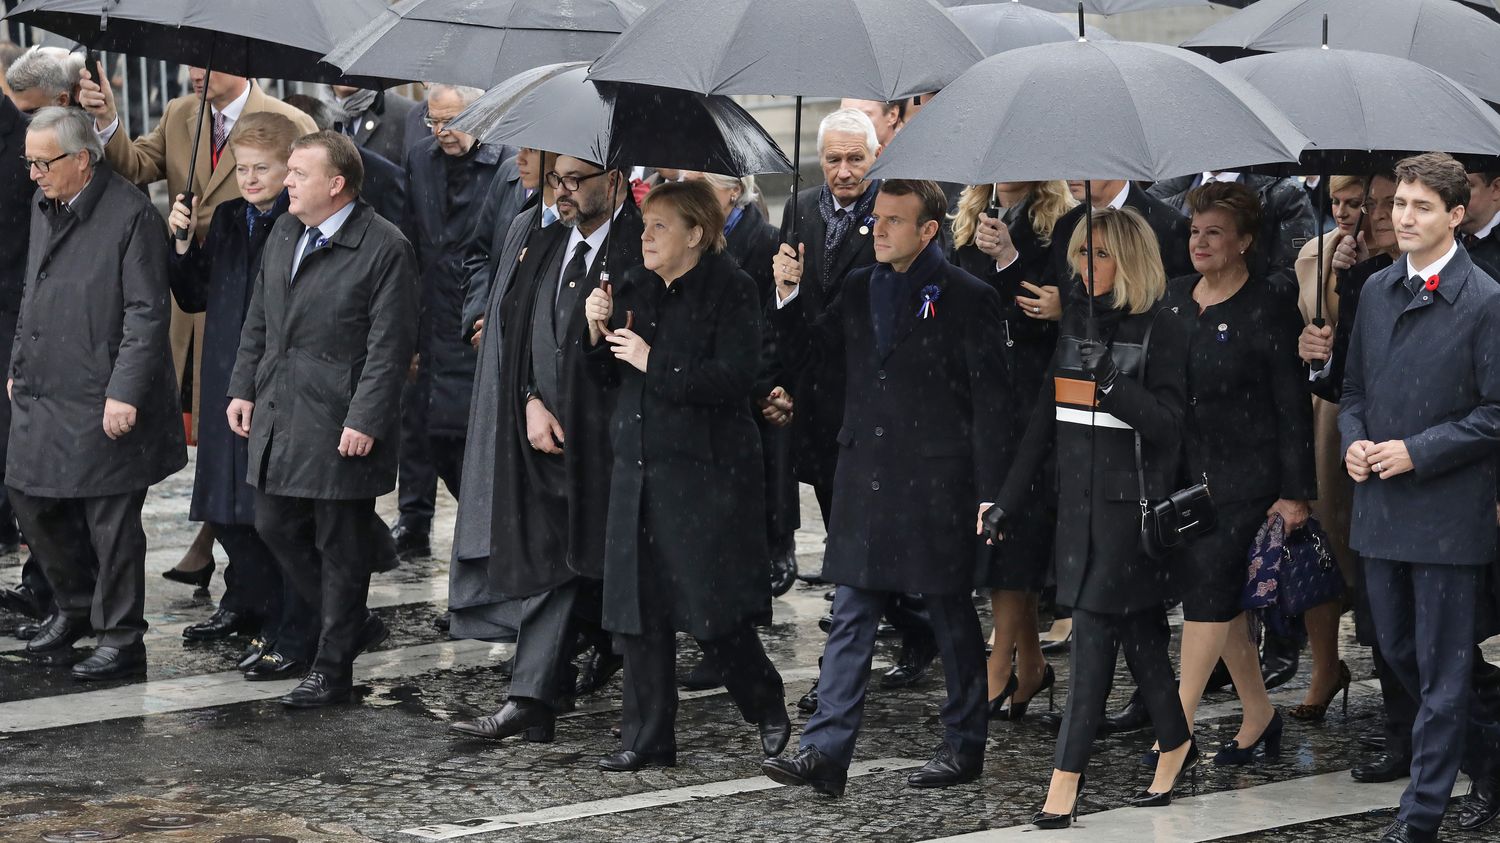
[
  {"x": 783, "y": 302},
  {"x": 999, "y": 267},
  {"x": 109, "y": 131},
  {"x": 1319, "y": 374}
]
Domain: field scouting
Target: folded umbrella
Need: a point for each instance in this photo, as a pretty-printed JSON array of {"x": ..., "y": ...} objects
[{"x": 998, "y": 27}]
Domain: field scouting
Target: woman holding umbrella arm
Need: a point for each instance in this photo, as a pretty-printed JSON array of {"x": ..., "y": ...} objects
[{"x": 1094, "y": 402}]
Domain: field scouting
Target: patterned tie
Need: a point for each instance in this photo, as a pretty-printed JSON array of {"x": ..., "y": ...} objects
[
  {"x": 313, "y": 236},
  {"x": 221, "y": 130}
]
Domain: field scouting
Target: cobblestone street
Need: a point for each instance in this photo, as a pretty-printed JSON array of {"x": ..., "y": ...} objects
[{"x": 197, "y": 754}]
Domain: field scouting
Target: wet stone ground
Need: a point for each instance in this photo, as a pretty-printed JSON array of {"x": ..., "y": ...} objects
[{"x": 195, "y": 754}]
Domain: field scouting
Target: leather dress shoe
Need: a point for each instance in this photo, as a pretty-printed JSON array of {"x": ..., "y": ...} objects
[
  {"x": 517, "y": 716},
  {"x": 58, "y": 635},
  {"x": 1279, "y": 660},
  {"x": 1385, "y": 768},
  {"x": 1051, "y": 721},
  {"x": 809, "y": 767},
  {"x": 825, "y": 623},
  {"x": 1374, "y": 739},
  {"x": 27, "y": 631},
  {"x": 1482, "y": 805},
  {"x": 112, "y": 663},
  {"x": 704, "y": 675},
  {"x": 317, "y": 690},
  {"x": 220, "y": 625},
  {"x": 775, "y": 730},
  {"x": 23, "y": 601},
  {"x": 410, "y": 544},
  {"x": 808, "y": 704},
  {"x": 443, "y": 622},
  {"x": 947, "y": 768},
  {"x": 273, "y": 666},
  {"x": 372, "y": 633},
  {"x": 599, "y": 666},
  {"x": 912, "y": 665},
  {"x": 783, "y": 572},
  {"x": 629, "y": 761},
  {"x": 1403, "y": 832},
  {"x": 260, "y": 647},
  {"x": 1132, "y": 718}
]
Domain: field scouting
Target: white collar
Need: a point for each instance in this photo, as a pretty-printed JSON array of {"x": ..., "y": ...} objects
[
  {"x": 233, "y": 111},
  {"x": 1489, "y": 227},
  {"x": 86, "y": 184},
  {"x": 329, "y": 227},
  {"x": 1119, "y": 201},
  {"x": 1225, "y": 176},
  {"x": 595, "y": 240},
  {"x": 1436, "y": 267}
]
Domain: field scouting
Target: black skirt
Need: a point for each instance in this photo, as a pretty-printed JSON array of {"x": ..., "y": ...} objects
[{"x": 1210, "y": 573}]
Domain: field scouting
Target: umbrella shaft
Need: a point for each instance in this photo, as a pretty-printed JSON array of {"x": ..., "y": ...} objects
[{"x": 187, "y": 196}]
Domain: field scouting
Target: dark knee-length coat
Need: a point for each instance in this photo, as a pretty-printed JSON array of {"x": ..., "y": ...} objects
[{"x": 687, "y": 493}]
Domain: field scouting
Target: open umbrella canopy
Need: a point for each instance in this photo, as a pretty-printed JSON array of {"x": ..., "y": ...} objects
[
  {"x": 481, "y": 42},
  {"x": 998, "y": 27},
  {"x": 1343, "y": 101},
  {"x": 1442, "y": 34},
  {"x": 870, "y": 49},
  {"x": 278, "y": 38},
  {"x": 1090, "y": 110},
  {"x": 1490, "y": 8},
  {"x": 622, "y": 124},
  {"x": 1105, "y": 7}
]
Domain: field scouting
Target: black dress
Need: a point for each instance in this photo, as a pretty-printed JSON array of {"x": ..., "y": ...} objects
[
  {"x": 1023, "y": 561},
  {"x": 1248, "y": 431}
]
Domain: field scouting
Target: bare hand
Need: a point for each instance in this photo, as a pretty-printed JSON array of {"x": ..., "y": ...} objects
[
  {"x": 1315, "y": 343},
  {"x": 542, "y": 429},
  {"x": 10, "y": 385},
  {"x": 628, "y": 347},
  {"x": 119, "y": 418},
  {"x": 1047, "y": 304},
  {"x": 183, "y": 219},
  {"x": 1357, "y": 461},
  {"x": 776, "y": 407},
  {"x": 96, "y": 101},
  {"x": 1389, "y": 459},
  {"x": 1351, "y": 251},
  {"x": 478, "y": 332},
  {"x": 355, "y": 444},
  {"x": 787, "y": 267},
  {"x": 1293, "y": 513},
  {"x": 992, "y": 237},
  {"x": 597, "y": 309},
  {"x": 239, "y": 413}
]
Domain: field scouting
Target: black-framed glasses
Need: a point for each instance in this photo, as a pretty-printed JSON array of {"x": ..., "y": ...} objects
[
  {"x": 570, "y": 183},
  {"x": 44, "y": 166}
]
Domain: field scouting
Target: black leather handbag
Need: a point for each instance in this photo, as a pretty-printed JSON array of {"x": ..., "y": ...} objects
[{"x": 1185, "y": 514}]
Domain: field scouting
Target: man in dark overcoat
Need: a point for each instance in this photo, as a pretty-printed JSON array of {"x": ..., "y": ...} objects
[
  {"x": 1167, "y": 223},
  {"x": 95, "y": 419},
  {"x": 552, "y": 456},
  {"x": 374, "y": 120},
  {"x": 517, "y": 187},
  {"x": 1481, "y": 221},
  {"x": 923, "y": 442},
  {"x": 1420, "y": 420},
  {"x": 316, "y": 388},
  {"x": 449, "y": 180}
]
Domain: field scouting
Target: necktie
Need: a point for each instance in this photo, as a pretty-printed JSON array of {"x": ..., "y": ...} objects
[
  {"x": 221, "y": 130},
  {"x": 549, "y": 216},
  {"x": 313, "y": 236},
  {"x": 574, "y": 272}
]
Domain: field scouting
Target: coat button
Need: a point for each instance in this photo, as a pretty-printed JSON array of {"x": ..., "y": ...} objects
[
  {"x": 271, "y": 405},
  {"x": 637, "y": 416},
  {"x": 879, "y": 431},
  {"x": 880, "y": 374},
  {"x": 640, "y": 463},
  {"x": 1193, "y": 400},
  {"x": 874, "y": 485},
  {"x": 41, "y": 276},
  {"x": 1085, "y": 494},
  {"x": 35, "y": 335}
]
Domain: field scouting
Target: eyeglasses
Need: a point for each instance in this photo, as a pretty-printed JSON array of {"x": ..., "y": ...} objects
[
  {"x": 44, "y": 166},
  {"x": 439, "y": 123},
  {"x": 570, "y": 183}
]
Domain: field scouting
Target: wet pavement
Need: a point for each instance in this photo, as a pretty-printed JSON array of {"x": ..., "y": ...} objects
[{"x": 196, "y": 754}]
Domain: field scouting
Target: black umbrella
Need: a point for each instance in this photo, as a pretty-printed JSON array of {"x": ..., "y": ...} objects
[
  {"x": 1363, "y": 110},
  {"x": 1106, "y": 7},
  {"x": 278, "y": 38},
  {"x": 1442, "y": 34},
  {"x": 481, "y": 42},
  {"x": 1490, "y": 8},
  {"x": 1108, "y": 110},
  {"x": 870, "y": 49},
  {"x": 998, "y": 27}
]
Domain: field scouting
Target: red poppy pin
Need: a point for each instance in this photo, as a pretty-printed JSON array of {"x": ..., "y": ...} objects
[{"x": 1432, "y": 283}]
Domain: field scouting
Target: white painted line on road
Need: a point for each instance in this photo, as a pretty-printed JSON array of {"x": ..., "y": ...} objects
[{"x": 634, "y": 802}]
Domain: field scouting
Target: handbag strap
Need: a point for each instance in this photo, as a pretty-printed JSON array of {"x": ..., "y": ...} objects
[{"x": 1140, "y": 463}]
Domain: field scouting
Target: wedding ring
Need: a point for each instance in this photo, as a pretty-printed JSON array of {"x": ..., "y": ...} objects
[
  {"x": 1377, "y": 468},
  {"x": 1036, "y": 310}
]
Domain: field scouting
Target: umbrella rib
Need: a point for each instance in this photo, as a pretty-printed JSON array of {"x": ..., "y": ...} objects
[
  {"x": 1136, "y": 112},
  {"x": 870, "y": 41}
]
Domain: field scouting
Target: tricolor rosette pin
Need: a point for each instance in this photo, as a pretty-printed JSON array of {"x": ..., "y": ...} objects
[{"x": 930, "y": 295}]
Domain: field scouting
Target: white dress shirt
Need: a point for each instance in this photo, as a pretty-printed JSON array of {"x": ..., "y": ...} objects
[
  {"x": 326, "y": 229},
  {"x": 231, "y": 114}
]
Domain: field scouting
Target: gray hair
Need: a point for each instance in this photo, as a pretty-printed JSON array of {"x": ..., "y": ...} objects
[
  {"x": 465, "y": 94},
  {"x": 748, "y": 191},
  {"x": 38, "y": 70},
  {"x": 852, "y": 121},
  {"x": 74, "y": 129}
]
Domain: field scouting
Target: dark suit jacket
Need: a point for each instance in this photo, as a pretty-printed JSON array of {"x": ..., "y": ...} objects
[
  {"x": 1486, "y": 254},
  {"x": 1169, "y": 225},
  {"x": 506, "y": 199},
  {"x": 1426, "y": 370},
  {"x": 327, "y": 352},
  {"x": 16, "y": 190}
]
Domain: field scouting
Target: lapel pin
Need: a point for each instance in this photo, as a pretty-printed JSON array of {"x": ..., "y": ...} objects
[
  {"x": 1223, "y": 335},
  {"x": 369, "y": 125},
  {"x": 930, "y": 294},
  {"x": 1431, "y": 284}
]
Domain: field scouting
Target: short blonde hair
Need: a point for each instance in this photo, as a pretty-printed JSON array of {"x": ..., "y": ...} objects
[
  {"x": 265, "y": 130},
  {"x": 1140, "y": 279},
  {"x": 697, "y": 204}
]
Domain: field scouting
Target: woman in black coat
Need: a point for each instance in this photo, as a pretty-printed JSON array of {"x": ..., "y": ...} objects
[
  {"x": 1248, "y": 436},
  {"x": 1002, "y": 235},
  {"x": 680, "y": 343},
  {"x": 1093, "y": 404}
]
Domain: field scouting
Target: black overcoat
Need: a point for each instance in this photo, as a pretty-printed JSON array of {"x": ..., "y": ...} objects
[
  {"x": 687, "y": 477},
  {"x": 93, "y": 325},
  {"x": 382, "y": 128},
  {"x": 1100, "y": 566},
  {"x": 385, "y": 189},
  {"x": 217, "y": 278},
  {"x": 925, "y": 436},
  {"x": 485, "y": 259},
  {"x": 16, "y": 191},
  {"x": 1426, "y": 370},
  {"x": 328, "y": 352},
  {"x": 536, "y": 547}
]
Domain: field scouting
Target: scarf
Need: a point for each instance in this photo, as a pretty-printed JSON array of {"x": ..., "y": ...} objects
[
  {"x": 347, "y": 112},
  {"x": 837, "y": 222},
  {"x": 890, "y": 291}
]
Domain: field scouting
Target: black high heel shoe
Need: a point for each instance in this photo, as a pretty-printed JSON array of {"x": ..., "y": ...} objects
[
  {"x": 1147, "y": 799},
  {"x": 1017, "y": 708},
  {"x": 1234, "y": 755},
  {"x": 997, "y": 705},
  {"x": 199, "y": 578},
  {"x": 1052, "y": 822}
]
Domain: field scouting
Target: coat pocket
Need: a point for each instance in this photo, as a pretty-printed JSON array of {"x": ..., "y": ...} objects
[
  {"x": 845, "y": 437},
  {"x": 325, "y": 387}
]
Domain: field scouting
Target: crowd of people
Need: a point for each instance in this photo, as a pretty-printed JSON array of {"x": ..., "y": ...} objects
[{"x": 623, "y": 375}]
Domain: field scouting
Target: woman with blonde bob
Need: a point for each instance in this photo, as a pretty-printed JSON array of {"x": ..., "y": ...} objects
[{"x": 1115, "y": 376}]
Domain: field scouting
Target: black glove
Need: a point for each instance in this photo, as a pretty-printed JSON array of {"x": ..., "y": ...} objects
[
  {"x": 994, "y": 519},
  {"x": 1097, "y": 361}
]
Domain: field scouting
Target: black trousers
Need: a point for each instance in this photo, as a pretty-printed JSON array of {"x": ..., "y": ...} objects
[
  {"x": 93, "y": 551},
  {"x": 252, "y": 579},
  {"x": 326, "y": 549},
  {"x": 1097, "y": 641},
  {"x": 834, "y": 727},
  {"x": 424, "y": 460},
  {"x": 542, "y": 670}
]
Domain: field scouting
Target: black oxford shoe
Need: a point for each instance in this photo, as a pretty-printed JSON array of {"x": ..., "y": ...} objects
[
  {"x": 220, "y": 625},
  {"x": 517, "y": 716},
  {"x": 704, "y": 675},
  {"x": 318, "y": 690},
  {"x": 58, "y": 635},
  {"x": 1482, "y": 805},
  {"x": 410, "y": 544},
  {"x": 912, "y": 666},
  {"x": 1402, "y": 832},
  {"x": 947, "y": 768},
  {"x": 112, "y": 663},
  {"x": 1385, "y": 768},
  {"x": 775, "y": 731},
  {"x": 273, "y": 666},
  {"x": 1132, "y": 718},
  {"x": 372, "y": 634},
  {"x": 600, "y": 664},
  {"x": 260, "y": 647},
  {"x": 629, "y": 761},
  {"x": 23, "y": 601},
  {"x": 809, "y": 768}
]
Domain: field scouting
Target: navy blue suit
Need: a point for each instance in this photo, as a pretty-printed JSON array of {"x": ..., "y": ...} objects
[{"x": 1424, "y": 367}]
